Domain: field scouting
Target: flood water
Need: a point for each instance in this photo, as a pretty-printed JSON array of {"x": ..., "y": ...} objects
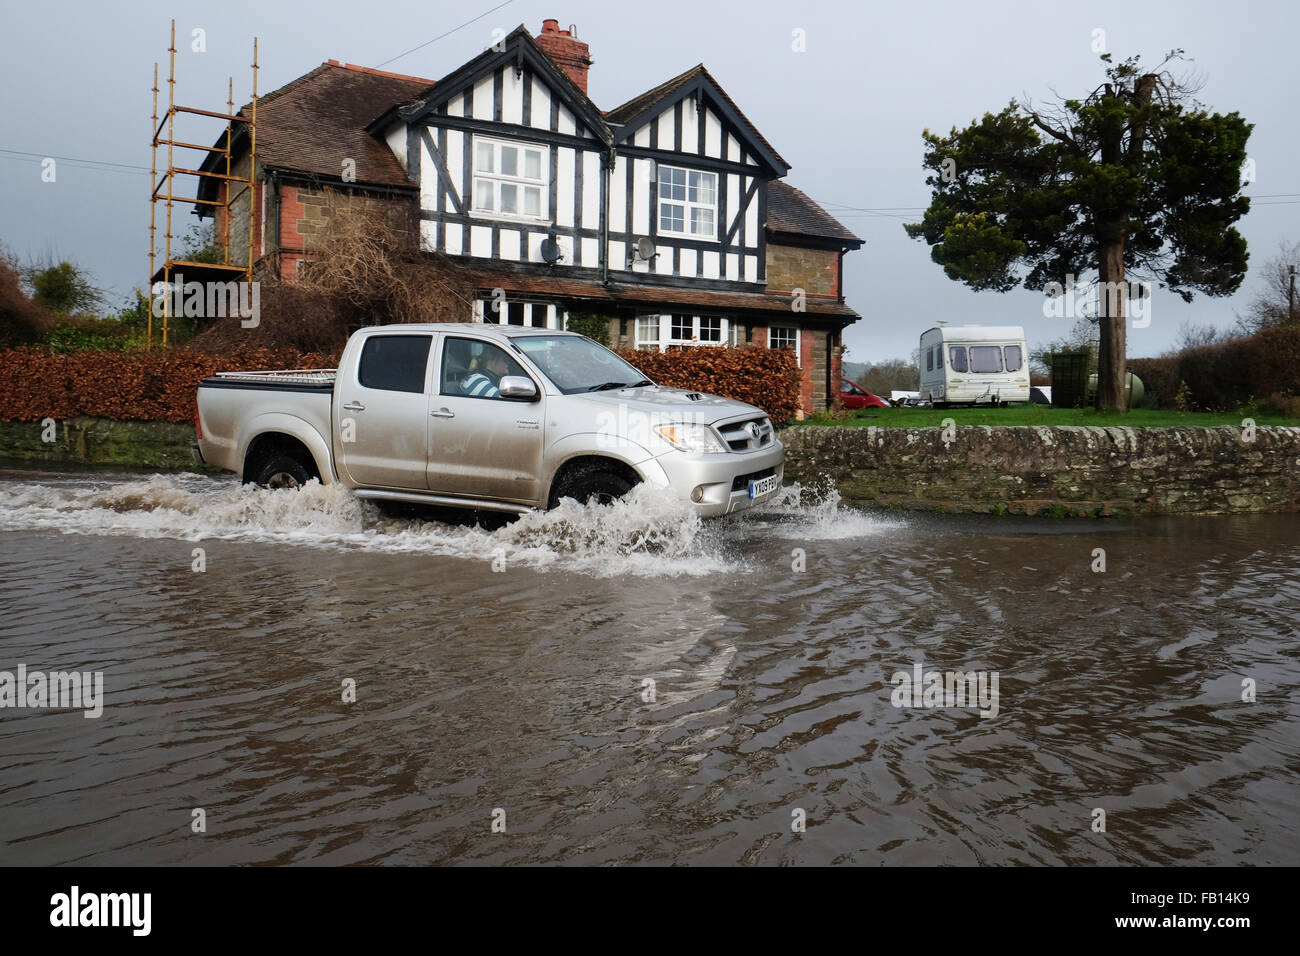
[{"x": 503, "y": 677}]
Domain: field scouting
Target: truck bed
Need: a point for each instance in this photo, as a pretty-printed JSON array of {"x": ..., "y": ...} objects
[{"x": 235, "y": 405}]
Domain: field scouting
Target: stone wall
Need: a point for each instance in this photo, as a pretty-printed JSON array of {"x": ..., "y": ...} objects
[
  {"x": 816, "y": 271},
  {"x": 1053, "y": 470},
  {"x": 101, "y": 441}
]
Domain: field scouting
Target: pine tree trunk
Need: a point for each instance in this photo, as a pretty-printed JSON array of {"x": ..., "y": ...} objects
[{"x": 1112, "y": 293}]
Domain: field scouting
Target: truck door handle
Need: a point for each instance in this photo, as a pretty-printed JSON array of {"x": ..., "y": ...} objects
[
  {"x": 443, "y": 413},
  {"x": 354, "y": 407}
]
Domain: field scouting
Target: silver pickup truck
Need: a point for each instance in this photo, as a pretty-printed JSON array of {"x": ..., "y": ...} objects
[{"x": 470, "y": 415}]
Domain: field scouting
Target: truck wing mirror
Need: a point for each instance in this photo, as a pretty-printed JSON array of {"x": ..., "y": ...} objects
[{"x": 518, "y": 387}]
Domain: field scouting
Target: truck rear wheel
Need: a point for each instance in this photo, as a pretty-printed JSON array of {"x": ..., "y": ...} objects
[{"x": 282, "y": 471}]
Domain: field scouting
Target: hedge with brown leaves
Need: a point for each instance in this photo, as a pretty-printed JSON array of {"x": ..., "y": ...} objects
[
  {"x": 154, "y": 386},
  {"x": 768, "y": 378},
  {"x": 1226, "y": 375},
  {"x": 161, "y": 385}
]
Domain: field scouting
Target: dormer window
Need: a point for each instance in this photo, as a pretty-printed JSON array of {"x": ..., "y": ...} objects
[
  {"x": 688, "y": 202},
  {"x": 509, "y": 179}
]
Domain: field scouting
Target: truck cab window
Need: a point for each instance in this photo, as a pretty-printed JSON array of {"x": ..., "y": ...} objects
[
  {"x": 473, "y": 369},
  {"x": 394, "y": 363}
]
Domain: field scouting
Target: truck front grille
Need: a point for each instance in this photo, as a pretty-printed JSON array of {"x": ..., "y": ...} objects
[{"x": 748, "y": 435}]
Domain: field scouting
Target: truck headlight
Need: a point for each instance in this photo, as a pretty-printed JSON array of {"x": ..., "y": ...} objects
[{"x": 696, "y": 439}]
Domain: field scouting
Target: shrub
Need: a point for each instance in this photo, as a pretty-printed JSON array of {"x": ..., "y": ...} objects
[
  {"x": 82, "y": 333},
  {"x": 22, "y": 321},
  {"x": 594, "y": 327},
  {"x": 767, "y": 378},
  {"x": 1159, "y": 377},
  {"x": 1226, "y": 375},
  {"x": 139, "y": 386},
  {"x": 291, "y": 317},
  {"x": 1274, "y": 361}
]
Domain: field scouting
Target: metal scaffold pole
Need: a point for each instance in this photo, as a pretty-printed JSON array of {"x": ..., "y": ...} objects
[{"x": 209, "y": 167}]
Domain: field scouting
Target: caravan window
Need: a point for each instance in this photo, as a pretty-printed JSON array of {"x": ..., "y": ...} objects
[
  {"x": 929, "y": 360},
  {"x": 1013, "y": 358},
  {"x": 985, "y": 358},
  {"x": 957, "y": 357}
]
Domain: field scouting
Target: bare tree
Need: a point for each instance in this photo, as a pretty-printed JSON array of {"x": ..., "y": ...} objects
[
  {"x": 1193, "y": 336},
  {"x": 368, "y": 257},
  {"x": 1272, "y": 304}
]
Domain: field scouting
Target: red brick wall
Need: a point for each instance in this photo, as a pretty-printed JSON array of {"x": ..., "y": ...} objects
[
  {"x": 837, "y": 371},
  {"x": 806, "y": 344}
]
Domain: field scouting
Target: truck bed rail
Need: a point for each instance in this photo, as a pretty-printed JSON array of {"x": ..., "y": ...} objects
[{"x": 309, "y": 376}]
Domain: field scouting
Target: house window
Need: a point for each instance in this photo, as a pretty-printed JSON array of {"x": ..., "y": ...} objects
[
  {"x": 688, "y": 202},
  {"x": 660, "y": 331},
  {"x": 509, "y": 179},
  {"x": 957, "y": 357},
  {"x": 784, "y": 337},
  {"x": 538, "y": 315},
  {"x": 647, "y": 332}
]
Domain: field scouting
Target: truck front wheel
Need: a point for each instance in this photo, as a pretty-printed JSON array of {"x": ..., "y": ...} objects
[
  {"x": 591, "y": 484},
  {"x": 281, "y": 471}
]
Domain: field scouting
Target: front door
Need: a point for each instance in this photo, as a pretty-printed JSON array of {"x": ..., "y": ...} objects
[
  {"x": 482, "y": 445},
  {"x": 382, "y": 413}
]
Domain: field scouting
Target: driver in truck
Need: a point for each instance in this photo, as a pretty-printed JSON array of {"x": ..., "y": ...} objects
[{"x": 482, "y": 383}]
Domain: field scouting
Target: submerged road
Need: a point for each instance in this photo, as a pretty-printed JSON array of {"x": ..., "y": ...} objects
[{"x": 296, "y": 678}]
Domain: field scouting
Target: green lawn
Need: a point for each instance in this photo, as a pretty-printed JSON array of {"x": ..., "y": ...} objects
[{"x": 1040, "y": 415}]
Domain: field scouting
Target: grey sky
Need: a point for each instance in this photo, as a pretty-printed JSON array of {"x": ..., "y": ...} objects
[{"x": 847, "y": 114}]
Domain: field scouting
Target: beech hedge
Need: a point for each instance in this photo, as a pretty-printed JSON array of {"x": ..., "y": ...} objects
[
  {"x": 129, "y": 386},
  {"x": 1261, "y": 368},
  {"x": 160, "y": 385},
  {"x": 768, "y": 378}
]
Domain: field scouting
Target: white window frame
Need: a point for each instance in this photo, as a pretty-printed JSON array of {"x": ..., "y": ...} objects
[
  {"x": 686, "y": 204},
  {"x": 497, "y": 179},
  {"x": 798, "y": 341},
  {"x": 537, "y": 315},
  {"x": 665, "y": 337}
]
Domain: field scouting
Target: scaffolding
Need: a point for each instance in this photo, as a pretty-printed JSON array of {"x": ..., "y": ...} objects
[{"x": 227, "y": 183}]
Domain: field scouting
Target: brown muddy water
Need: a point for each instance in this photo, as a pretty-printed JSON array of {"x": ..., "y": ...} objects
[{"x": 520, "y": 696}]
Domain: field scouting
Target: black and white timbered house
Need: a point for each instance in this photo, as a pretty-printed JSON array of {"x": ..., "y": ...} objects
[{"x": 667, "y": 215}]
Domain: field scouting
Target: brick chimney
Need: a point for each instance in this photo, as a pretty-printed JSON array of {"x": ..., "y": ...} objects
[{"x": 565, "y": 51}]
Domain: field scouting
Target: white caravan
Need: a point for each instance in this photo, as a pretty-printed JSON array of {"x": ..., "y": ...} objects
[{"x": 974, "y": 364}]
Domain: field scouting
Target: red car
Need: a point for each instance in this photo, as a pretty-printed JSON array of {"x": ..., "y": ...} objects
[{"x": 855, "y": 396}]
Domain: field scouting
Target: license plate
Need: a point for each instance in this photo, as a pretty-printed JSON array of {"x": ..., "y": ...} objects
[{"x": 762, "y": 486}]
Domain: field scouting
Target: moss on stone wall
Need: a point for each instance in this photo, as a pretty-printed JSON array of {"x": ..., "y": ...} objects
[
  {"x": 1058, "y": 471},
  {"x": 100, "y": 441}
]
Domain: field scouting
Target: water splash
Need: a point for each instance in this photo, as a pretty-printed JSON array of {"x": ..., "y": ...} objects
[
  {"x": 816, "y": 511},
  {"x": 648, "y": 533}
]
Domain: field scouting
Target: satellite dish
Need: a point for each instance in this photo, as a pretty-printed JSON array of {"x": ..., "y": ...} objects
[
  {"x": 550, "y": 249},
  {"x": 645, "y": 248}
]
